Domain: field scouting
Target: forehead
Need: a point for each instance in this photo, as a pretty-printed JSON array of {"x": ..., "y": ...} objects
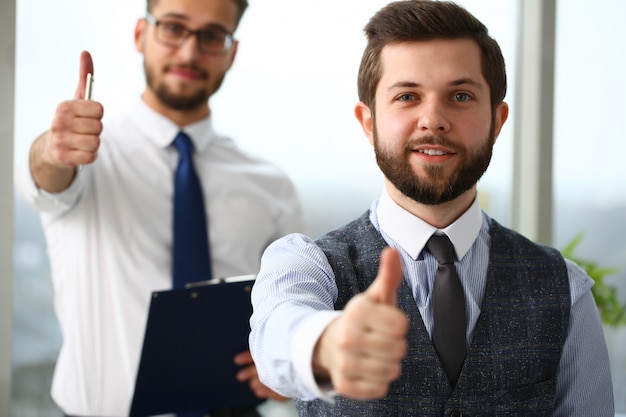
[
  {"x": 199, "y": 12},
  {"x": 432, "y": 62}
]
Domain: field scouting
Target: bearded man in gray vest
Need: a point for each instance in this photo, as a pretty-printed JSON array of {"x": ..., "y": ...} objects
[{"x": 347, "y": 323}]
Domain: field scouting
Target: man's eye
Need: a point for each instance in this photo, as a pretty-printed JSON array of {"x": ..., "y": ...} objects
[
  {"x": 461, "y": 97},
  {"x": 406, "y": 97},
  {"x": 173, "y": 29},
  {"x": 211, "y": 37}
]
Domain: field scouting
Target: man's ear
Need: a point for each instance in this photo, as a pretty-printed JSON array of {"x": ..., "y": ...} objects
[
  {"x": 365, "y": 117},
  {"x": 502, "y": 113},
  {"x": 140, "y": 28},
  {"x": 233, "y": 53}
]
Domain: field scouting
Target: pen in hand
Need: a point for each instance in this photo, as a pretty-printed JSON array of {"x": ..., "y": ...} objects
[{"x": 88, "y": 86}]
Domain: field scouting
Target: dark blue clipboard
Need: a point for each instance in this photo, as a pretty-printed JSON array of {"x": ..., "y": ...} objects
[{"x": 191, "y": 338}]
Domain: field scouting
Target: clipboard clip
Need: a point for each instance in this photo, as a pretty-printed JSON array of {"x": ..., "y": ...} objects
[{"x": 223, "y": 280}]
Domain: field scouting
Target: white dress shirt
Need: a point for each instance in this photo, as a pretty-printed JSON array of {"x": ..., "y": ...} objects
[
  {"x": 109, "y": 240},
  {"x": 294, "y": 294}
]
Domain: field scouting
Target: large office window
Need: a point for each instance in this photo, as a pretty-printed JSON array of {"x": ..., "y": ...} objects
[{"x": 589, "y": 164}]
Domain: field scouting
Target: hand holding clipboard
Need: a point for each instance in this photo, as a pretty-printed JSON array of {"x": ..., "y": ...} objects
[{"x": 191, "y": 338}]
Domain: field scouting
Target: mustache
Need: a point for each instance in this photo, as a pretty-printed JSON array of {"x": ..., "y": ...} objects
[
  {"x": 432, "y": 140},
  {"x": 188, "y": 67}
]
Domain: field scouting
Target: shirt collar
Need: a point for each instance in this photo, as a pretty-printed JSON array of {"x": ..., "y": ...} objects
[
  {"x": 412, "y": 233},
  {"x": 162, "y": 131}
]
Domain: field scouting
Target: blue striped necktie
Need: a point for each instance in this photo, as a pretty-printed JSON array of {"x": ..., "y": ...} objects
[{"x": 191, "y": 259}]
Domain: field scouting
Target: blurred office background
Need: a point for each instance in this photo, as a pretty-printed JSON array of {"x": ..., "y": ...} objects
[{"x": 289, "y": 98}]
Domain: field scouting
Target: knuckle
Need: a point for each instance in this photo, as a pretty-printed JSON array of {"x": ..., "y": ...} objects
[
  {"x": 383, "y": 389},
  {"x": 100, "y": 110},
  {"x": 59, "y": 155},
  {"x": 343, "y": 364},
  {"x": 395, "y": 372},
  {"x": 57, "y": 126},
  {"x": 91, "y": 157},
  {"x": 399, "y": 349},
  {"x": 64, "y": 107},
  {"x": 99, "y": 126},
  {"x": 342, "y": 386}
]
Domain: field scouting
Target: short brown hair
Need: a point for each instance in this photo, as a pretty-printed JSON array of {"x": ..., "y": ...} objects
[
  {"x": 423, "y": 20},
  {"x": 242, "y": 5}
]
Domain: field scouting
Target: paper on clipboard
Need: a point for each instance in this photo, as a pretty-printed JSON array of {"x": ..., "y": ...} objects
[{"x": 191, "y": 338}]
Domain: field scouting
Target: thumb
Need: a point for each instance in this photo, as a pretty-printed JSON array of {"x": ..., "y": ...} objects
[
  {"x": 86, "y": 67},
  {"x": 384, "y": 289}
]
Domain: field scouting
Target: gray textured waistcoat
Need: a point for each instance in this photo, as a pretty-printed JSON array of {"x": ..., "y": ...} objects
[{"x": 512, "y": 362}]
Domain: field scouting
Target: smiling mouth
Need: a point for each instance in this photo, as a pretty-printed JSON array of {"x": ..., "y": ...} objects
[{"x": 432, "y": 152}]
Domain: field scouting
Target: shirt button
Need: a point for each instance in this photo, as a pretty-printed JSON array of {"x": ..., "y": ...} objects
[{"x": 455, "y": 413}]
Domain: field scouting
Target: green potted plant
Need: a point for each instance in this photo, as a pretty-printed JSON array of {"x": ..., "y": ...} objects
[{"x": 612, "y": 312}]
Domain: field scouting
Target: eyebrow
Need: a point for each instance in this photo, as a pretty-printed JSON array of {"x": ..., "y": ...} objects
[
  {"x": 454, "y": 83},
  {"x": 209, "y": 25}
]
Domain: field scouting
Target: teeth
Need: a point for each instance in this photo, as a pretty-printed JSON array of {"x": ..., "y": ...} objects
[{"x": 432, "y": 152}]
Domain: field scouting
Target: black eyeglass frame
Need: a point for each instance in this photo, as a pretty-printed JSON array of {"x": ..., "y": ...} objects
[{"x": 229, "y": 38}]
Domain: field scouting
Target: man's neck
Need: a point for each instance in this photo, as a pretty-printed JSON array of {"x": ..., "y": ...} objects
[
  {"x": 440, "y": 215},
  {"x": 179, "y": 117}
]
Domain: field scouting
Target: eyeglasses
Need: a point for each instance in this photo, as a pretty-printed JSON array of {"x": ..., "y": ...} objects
[{"x": 174, "y": 34}]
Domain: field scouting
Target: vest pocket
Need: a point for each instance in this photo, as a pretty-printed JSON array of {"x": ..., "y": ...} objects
[{"x": 535, "y": 397}]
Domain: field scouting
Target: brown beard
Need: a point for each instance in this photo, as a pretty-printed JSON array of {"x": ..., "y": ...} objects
[
  {"x": 434, "y": 188},
  {"x": 177, "y": 101}
]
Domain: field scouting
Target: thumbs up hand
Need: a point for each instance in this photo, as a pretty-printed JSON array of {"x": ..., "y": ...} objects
[
  {"x": 361, "y": 351},
  {"x": 73, "y": 138}
]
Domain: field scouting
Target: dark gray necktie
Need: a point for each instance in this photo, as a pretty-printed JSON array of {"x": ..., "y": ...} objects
[{"x": 448, "y": 309}]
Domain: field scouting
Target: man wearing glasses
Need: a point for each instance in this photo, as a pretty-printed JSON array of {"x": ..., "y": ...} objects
[{"x": 104, "y": 188}]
